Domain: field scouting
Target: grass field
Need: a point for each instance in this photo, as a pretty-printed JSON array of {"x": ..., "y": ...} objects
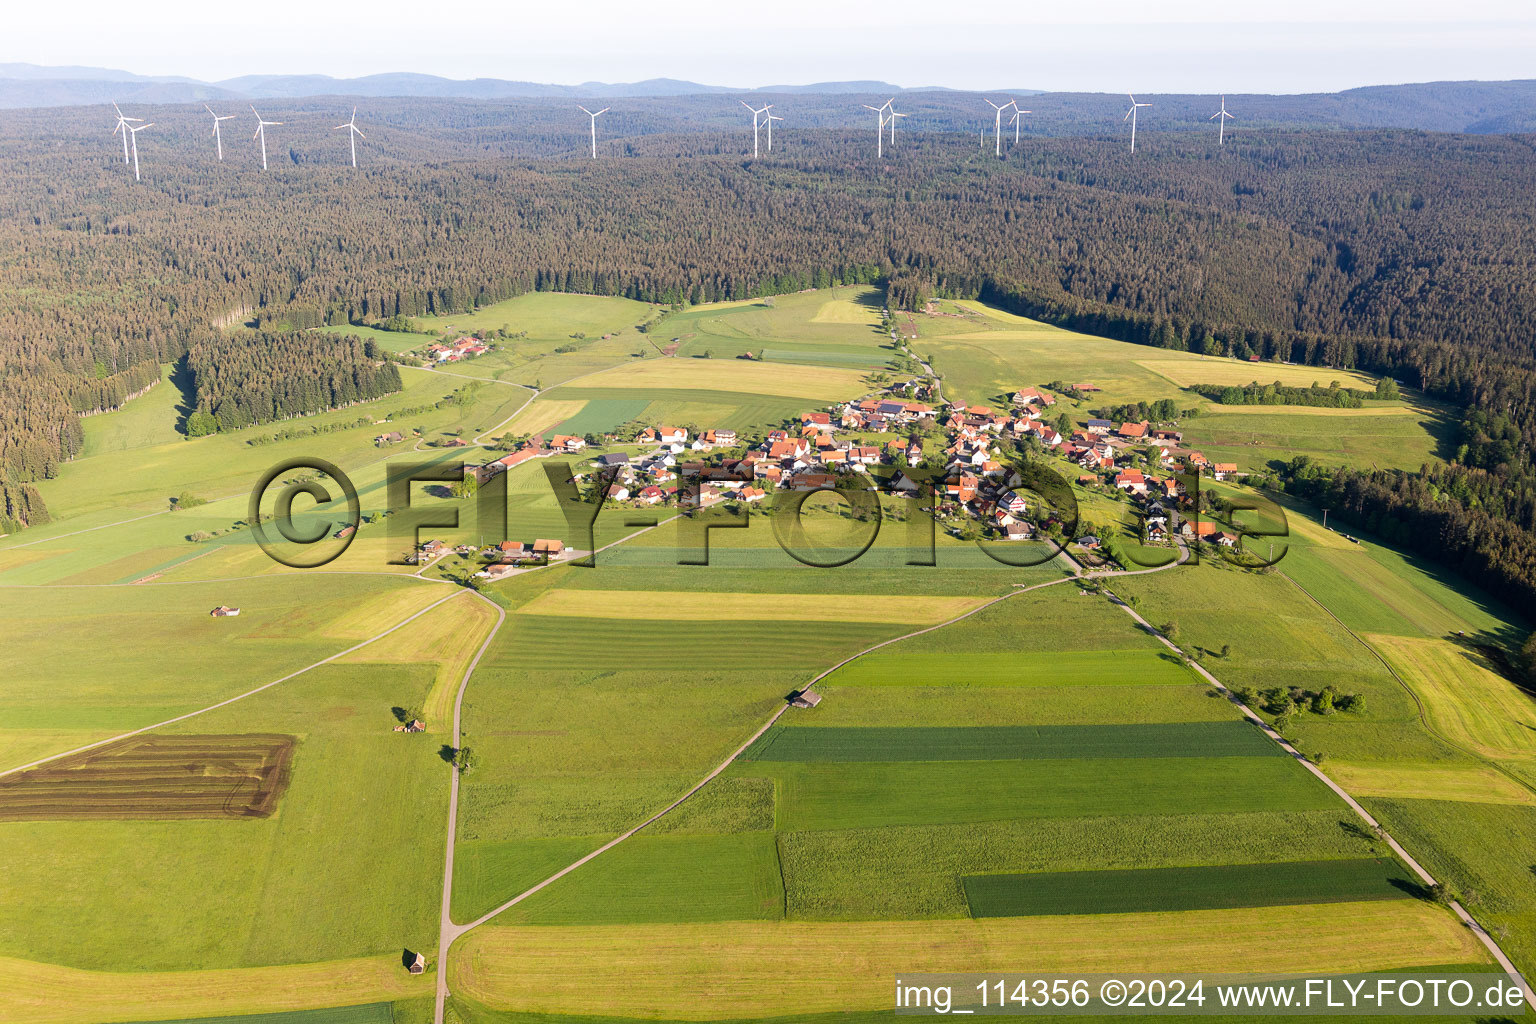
[
  {"x": 1478, "y": 785},
  {"x": 602, "y": 414},
  {"x": 693, "y": 607},
  {"x": 366, "y": 1013},
  {"x": 818, "y": 383},
  {"x": 1167, "y": 739},
  {"x": 546, "y": 315},
  {"x": 1211, "y": 887},
  {"x": 745, "y": 969},
  {"x": 1025, "y": 668},
  {"x": 1466, "y": 700},
  {"x": 1194, "y": 369},
  {"x": 46, "y": 994},
  {"x": 147, "y": 420},
  {"x": 156, "y": 777},
  {"x": 844, "y": 796},
  {"x": 1254, "y": 439}
]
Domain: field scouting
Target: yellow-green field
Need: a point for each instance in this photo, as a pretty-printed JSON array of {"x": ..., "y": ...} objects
[
  {"x": 682, "y": 606},
  {"x": 48, "y": 994},
  {"x": 756, "y": 969},
  {"x": 1465, "y": 699},
  {"x": 1195, "y": 369},
  {"x": 1476, "y": 785},
  {"x": 787, "y": 379}
]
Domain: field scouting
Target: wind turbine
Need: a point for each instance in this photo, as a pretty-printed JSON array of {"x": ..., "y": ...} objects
[
  {"x": 769, "y": 121},
  {"x": 599, "y": 114},
  {"x": 880, "y": 125},
  {"x": 218, "y": 140},
  {"x": 1221, "y": 126},
  {"x": 353, "y": 134},
  {"x": 755, "y": 115},
  {"x": 134, "y": 132},
  {"x": 122, "y": 126},
  {"x": 261, "y": 132},
  {"x": 892, "y": 121},
  {"x": 997, "y": 134},
  {"x": 1130, "y": 115},
  {"x": 1018, "y": 114}
]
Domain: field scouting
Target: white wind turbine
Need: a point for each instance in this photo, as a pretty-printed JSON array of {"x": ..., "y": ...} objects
[
  {"x": 769, "y": 121},
  {"x": 755, "y": 115},
  {"x": 133, "y": 131},
  {"x": 1221, "y": 126},
  {"x": 122, "y": 126},
  {"x": 1130, "y": 115},
  {"x": 594, "y": 118},
  {"x": 1018, "y": 115},
  {"x": 261, "y": 133},
  {"x": 997, "y": 133},
  {"x": 353, "y": 134},
  {"x": 880, "y": 112},
  {"x": 892, "y": 121},
  {"x": 218, "y": 140}
]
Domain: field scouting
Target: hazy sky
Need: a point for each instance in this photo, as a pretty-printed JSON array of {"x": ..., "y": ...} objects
[{"x": 1103, "y": 45}]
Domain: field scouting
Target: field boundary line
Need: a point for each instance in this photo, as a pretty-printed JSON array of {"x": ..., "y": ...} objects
[
  {"x": 1418, "y": 701},
  {"x": 238, "y": 697},
  {"x": 1354, "y": 805}
]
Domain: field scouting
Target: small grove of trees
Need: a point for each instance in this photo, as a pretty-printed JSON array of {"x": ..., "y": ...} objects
[{"x": 465, "y": 760}]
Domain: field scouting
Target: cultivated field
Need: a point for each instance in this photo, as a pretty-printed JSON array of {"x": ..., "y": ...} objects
[
  {"x": 1190, "y": 369},
  {"x": 157, "y": 777}
]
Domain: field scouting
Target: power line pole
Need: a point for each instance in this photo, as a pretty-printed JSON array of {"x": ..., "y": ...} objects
[{"x": 1325, "y": 519}]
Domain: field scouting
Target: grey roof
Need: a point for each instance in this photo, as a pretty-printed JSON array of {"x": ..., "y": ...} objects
[{"x": 614, "y": 459}]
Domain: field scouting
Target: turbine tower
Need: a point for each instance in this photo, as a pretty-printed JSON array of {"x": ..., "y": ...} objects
[
  {"x": 769, "y": 121},
  {"x": 134, "y": 133},
  {"x": 353, "y": 134},
  {"x": 261, "y": 133},
  {"x": 880, "y": 112},
  {"x": 1130, "y": 115},
  {"x": 1221, "y": 126},
  {"x": 122, "y": 126},
  {"x": 218, "y": 140},
  {"x": 892, "y": 121},
  {"x": 755, "y": 115},
  {"x": 599, "y": 114},
  {"x": 1018, "y": 115},
  {"x": 997, "y": 133}
]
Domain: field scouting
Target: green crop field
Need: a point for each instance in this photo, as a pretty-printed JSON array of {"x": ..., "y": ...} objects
[
  {"x": 1210, "y": 887},
  {"x": 602, "y": 414},
  {"x": 367, "y": 1013},
  {"x": 1064, "y": 668},
  {"x": 1166, "y": 739}
]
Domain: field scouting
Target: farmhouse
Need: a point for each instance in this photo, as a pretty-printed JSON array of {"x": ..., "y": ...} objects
[
  {"x": 549, "y": 548},
  {"x": 1222, "y": 470},
  {"x": 567, "y": 443},
  {"x": 223, "y": 611}
]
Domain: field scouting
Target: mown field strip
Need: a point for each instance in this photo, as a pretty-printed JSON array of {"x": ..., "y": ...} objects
[
  {"x": 1024, "y": 668},
  {"x": 1477, "y": 785},
  {"x": 1209, "y": 887},
  {"x": 676, "y": 605},
  {"x": 48, "y": 994},
  {"x": 1206, "y": 370},
  {"x": 763, "y": 969},
  {"x": 788, "y": 379},
  {"x": 1465, "y": 699},
  {"x": 991, "y": 743},
  {"x": 871, "y": 795}
]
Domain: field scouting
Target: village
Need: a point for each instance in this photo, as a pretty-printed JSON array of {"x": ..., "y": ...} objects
[{"x": 884, "y": 440}]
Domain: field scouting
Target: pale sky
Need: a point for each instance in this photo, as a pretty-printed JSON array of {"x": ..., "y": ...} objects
[{"x": 1100, "y": 46}]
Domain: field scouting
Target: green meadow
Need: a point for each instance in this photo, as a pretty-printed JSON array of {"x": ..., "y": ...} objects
[{"x": 1187, "y": 888}]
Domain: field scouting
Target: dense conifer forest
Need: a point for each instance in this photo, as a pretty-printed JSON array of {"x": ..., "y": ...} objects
[{"x": 1402, "y": 253}]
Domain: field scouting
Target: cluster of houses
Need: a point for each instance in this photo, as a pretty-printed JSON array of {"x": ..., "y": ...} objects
[{"x": 453, "y": 351}]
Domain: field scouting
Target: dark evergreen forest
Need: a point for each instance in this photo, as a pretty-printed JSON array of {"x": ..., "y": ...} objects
[{"x": 1402, "y": 253}]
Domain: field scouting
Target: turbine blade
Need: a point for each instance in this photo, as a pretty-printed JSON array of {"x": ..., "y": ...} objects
[
  {"x": 1128, "y": 113},
  {"x": 603, "y": 111},
  {"x": 584, "y": 110},
  {"x": 359, "y": 132}
]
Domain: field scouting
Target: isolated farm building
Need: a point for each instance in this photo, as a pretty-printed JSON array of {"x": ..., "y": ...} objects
[
  {"x": 224, "y": 611},
  {"x": 551, "y": 548},
  {"x": 432, "y": 547},
  {"x": 418, "y": 965},
  {"x": 414, "y": 725},
  {"x": 492, "y": 572},
  {"x": 393, "y": 437},
  {"x": 1086, "y": 387},
  {"x": 804, "y": 698},
  {"x": 345, "y": 531}
]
